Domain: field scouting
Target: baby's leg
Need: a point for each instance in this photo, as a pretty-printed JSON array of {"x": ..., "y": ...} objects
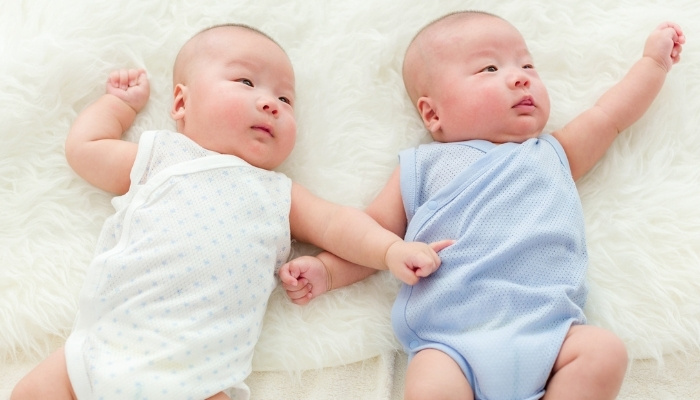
[
  {"x": 432, "y": 374},
  {"x": 48, "y": 380},
  {"x": 591, "y": 365},
  {"x": 219, "y": 396}
]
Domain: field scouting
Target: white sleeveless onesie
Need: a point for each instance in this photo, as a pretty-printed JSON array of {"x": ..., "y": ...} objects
[{"x": 173, "y": 302}]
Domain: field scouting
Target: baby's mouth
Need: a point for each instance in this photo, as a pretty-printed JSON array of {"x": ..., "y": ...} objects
[
  {"x": 527, "y": 101},
  {"x": 264, "y": 128}
]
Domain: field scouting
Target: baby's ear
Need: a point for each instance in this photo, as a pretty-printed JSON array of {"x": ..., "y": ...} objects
[
  {"x": 428, "y": 114},
  {"x": 177, "y": 112}
]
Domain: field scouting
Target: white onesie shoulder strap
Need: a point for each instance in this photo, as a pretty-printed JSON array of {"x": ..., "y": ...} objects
[{"x": 143, "y": 155}]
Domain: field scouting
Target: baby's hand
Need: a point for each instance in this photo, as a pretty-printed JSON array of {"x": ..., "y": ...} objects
[
  {"x": 665, "y": 44},
  {"x": 304, "y": 278},
  {"x": 410, "y": 261},
  {"x": 131, "y": 86}
]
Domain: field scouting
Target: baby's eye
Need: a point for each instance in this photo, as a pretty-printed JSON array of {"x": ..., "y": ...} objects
[
  {"x": 528, "y": 66},
  {"x": 490, "y": 68},
  {"x": 245, "y": 81},
  {"x": 285, "y": 100}
]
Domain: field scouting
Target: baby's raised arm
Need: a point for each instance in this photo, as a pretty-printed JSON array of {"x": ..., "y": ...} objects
[
  {"x": 94, "y": 148},
  {"x": 586, "y": 138}
]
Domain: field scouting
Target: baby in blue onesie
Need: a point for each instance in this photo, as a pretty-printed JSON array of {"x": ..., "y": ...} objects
[
  {"x": 173, "y": 302},
  {"x": 502, "y": 318}
]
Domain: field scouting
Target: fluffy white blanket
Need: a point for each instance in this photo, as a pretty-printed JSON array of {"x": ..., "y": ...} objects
[{"x": 641, "y": 202}]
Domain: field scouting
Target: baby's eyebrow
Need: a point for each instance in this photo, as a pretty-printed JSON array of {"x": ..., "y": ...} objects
[
  {"x": 485, "y": 53},
  {"x": 524, "y": 52},
  {"x": 286, "y": 87}
]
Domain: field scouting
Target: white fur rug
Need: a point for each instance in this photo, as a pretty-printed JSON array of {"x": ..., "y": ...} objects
[{"x": 641, "y": 202}]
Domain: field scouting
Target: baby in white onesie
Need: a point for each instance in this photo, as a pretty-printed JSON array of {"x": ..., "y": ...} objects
[{"x": 173, "y": 302}]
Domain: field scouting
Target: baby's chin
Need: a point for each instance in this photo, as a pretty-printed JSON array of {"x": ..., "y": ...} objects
[
  {"x": 525, "y": 131},
  {"x": 513, "y": 137},
  {"x": 517, "y": 134}
]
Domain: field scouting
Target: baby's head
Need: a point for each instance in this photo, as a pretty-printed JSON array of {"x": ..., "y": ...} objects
[
  {"x": 471, "y": 76},
  {"x": 234, "y": 94}
]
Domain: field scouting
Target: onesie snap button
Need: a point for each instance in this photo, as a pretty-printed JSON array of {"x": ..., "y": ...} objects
[
  {"x": 413, "y": 344},
  {"x": 432, "y": 205}
]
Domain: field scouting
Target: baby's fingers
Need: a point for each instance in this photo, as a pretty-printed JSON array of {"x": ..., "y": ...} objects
[
  {"x": 125, "y": 78},
  {"x": 437, "y": 246},
  {"x": 407, "y": 276},
  {"x": 432, "y": 261},
  {"x": 300, "y": 293},
  {"x": 678, "y": 35},
  {"x": 288, "y": 275},
  {"x": 426, "y": 265},
  {"x": 114, "y": 79}
]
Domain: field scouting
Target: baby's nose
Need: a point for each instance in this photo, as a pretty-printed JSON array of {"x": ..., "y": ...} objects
[{"x": 270, "y": 109}]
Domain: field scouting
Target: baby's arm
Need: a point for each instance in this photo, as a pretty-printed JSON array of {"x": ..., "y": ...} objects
[
  {"x": 586, "y": 138},
  {"x": 307, "y": 277},
  {"x": 356, "y": 237},
  {"x": 94, "y": 148}
]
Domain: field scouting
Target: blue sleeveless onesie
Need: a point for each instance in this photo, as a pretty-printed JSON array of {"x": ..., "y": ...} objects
[{"x": 512, "y": 285}]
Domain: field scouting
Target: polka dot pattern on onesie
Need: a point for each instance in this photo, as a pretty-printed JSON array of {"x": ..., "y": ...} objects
[{"x": 174, "y": 303}]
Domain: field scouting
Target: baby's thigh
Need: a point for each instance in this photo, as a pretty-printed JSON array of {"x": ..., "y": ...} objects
[
  {"x": 48, "y": 380},
  {"x": 591, "y": 345},
  {"x": 432, "y": 374},
  {"x": 219, "y": 396}
]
